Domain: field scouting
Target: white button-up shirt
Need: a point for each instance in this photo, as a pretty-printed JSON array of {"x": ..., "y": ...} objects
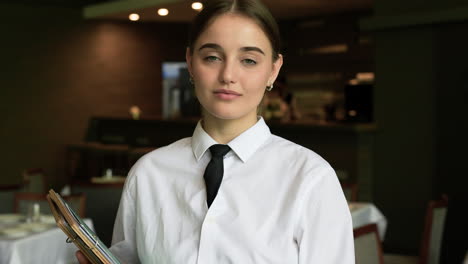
[{"x": 278, "y": 203}]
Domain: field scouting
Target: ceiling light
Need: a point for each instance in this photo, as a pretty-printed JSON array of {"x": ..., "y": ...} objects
[
  {"x": 197, "y": 6},
  {"x": 134, "y": 17},
  {"x": 163, "y": 12}
]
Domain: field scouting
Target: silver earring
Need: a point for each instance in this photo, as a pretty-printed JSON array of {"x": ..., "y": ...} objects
[
  {"x": 191, "y": 80},
  {"x": 269, "y": 87}
]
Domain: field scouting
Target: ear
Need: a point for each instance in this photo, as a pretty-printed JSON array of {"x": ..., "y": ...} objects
[
  {"x": 188, "y": 59},
  {"x": 276, "y": 69}
]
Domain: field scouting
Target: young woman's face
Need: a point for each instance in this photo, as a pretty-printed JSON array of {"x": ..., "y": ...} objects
[{"x": 231, "y": 64}]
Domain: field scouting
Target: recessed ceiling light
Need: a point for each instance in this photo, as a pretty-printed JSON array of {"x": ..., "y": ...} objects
[
  {"x": 197, "y": 6},
  {"x": 134, "y": 17},
  {"x": 163, "y": 12}
]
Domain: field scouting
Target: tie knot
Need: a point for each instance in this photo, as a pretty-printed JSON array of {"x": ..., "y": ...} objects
[{"x": 219, "y": 150}]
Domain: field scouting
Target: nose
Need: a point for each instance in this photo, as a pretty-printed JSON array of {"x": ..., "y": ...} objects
[{"x": 228, "y": 72}]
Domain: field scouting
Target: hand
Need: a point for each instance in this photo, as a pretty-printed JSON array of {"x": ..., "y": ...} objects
[{"x": 81, "y": 258}]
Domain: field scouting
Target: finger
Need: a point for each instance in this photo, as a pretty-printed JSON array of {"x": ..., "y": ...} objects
[{"x": 81, "y": 257}]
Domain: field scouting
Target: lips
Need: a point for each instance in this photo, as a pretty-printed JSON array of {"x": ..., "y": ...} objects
[
  {"x": 226, "y": 91},
  {"x": 226, "y": 94}
]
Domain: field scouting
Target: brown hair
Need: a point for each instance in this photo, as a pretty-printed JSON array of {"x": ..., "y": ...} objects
[{"x": 252, "y": 9}]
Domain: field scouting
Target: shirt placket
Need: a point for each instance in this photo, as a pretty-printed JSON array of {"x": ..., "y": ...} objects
[{"x": 209, "y": 230}]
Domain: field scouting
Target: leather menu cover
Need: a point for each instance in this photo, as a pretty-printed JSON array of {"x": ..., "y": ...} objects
[{"x": 78, "y": 232}]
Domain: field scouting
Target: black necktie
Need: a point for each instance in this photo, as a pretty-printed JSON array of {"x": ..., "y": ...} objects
[{"x": 214, "y": 171}]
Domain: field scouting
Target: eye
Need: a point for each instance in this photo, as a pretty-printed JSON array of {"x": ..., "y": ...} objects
[
  {"x": 249, "y": 62},
  {"x": 211, "y": 59}
]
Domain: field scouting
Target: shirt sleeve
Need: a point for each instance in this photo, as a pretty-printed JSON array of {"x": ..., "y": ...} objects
[
  {"x": 324, "y": 232},
  {"x": 124, "y": 244}
]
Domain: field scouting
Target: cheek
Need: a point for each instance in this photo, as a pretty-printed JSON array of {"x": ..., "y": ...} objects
[
  {"x": 196, "y": 71},
  {"x": 200, "y": 94},
  {"x": 258, "y": 82},
  {"x": 258, "y": 90},
  {"x": 204, "y": 76},
  {"x": 255, "y": 94}
]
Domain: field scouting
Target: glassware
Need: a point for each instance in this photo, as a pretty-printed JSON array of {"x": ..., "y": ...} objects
[{"x": 34, "y": 213}]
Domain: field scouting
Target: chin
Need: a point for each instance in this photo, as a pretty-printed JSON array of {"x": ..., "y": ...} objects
[
  {"x": 229, "y": 111},
  {"x": 224, "y": 114}
]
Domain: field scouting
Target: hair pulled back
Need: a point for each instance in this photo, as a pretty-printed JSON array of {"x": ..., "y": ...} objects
[{"x": 252, "y": 9}]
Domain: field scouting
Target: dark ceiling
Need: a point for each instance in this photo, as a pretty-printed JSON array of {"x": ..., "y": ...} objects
[
  {"x": 180, "y": 11},
  {"x": 61, "y": 3}
]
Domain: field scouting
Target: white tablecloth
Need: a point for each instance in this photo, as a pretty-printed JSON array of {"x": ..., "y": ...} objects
[
  {"x": 45, "y": 247},
  {"x": 366, "y": 213}
]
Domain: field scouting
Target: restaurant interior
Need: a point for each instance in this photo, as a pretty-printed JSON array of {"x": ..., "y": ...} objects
[{"x": 378, "y": 88}]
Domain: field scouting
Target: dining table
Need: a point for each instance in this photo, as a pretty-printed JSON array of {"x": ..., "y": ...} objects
[
  {"x": 364, "y": 213},
  {"x": 23, "y": 241}
]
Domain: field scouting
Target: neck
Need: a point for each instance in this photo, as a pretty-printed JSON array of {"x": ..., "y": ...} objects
[{"x": 223, "y": 130}]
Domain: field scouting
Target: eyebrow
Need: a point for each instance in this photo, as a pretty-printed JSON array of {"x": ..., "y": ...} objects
[
  {"x": 253, "y": 49},
  {"x": 210, "y": 46},
  {"x": 218, "y": 47}
]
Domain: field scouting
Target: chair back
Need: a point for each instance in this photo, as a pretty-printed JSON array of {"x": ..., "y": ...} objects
[
  {"x": 34, "y": 181},
  {"x": 24, "y": 202},
  {"x": 7, "y": 194},
  {"x": 433, "y": 232},
  {"x": 367, "y": 245}
]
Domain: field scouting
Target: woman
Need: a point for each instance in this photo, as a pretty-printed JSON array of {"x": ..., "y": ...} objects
[{"x": 278, "y": 202}]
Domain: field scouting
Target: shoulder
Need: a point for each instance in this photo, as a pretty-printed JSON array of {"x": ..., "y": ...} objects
[
  {"x": 157, "y": 162},
  {"x": 169, "y": 152},
  {"x": 304, "y": 166},
  {"x": 297, "y": 153},
  {"x": 174, "y": 153},
  {"x": 315, "y": 178}
]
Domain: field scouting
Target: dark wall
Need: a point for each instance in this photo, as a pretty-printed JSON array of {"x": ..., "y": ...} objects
[
  {"x": 420, "y": 100},
  {"x": 405, "y": 145},
  {"x": 452, "y": 99},
  {"x": 452, "y": 131},
  {"x": 58, "y": 70}
]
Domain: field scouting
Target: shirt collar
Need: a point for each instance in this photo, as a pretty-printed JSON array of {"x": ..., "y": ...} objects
[{"x": 243, "y": 145}]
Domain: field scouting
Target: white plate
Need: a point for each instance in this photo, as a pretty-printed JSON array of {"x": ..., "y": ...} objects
[
  {"x": 48, "y": 219},
  {"x": 11, "y": 218},
  {"x": 35, "y": 227},
  {"x": 14, "y": 232}
]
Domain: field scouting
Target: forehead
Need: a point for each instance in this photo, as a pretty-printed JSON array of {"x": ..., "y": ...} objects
[{"x": 234, "y": 30}]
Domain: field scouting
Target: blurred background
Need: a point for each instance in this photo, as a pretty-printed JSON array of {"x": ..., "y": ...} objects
[{"x": 378, "y": 88}]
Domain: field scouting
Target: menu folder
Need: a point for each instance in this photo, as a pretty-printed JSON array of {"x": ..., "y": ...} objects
[{"x": 78, "y": 232}]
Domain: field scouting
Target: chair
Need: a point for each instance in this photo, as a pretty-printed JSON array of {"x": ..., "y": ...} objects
[
  {"x": 7, "y": 193},
  {"x": 433, "y": 232},
  {"x": 103, "y": 207},
  {"x": 34, "y": 181},
  {"x": 24, "y": 201},
  {"x": 431, "y": 242},
  {"x": 350, "y": 191},
  {"x": 367, "y": 245}
]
